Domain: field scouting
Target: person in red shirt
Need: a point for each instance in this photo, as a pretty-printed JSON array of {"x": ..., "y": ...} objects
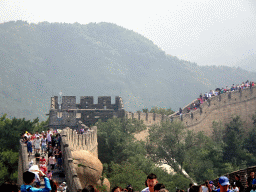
[
  {"x": 43, "y": 168},
  {"x": 42, "y": 160}
]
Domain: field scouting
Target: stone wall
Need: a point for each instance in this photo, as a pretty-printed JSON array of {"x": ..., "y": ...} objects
[
  {"x": 86, "y": 141},
  {"x": 71, "y": 141},
  {"x": 73, "y": 182},
  {"x": 23, "y": 162},
  {"x": 223, "y": 108},
  {"x": 147, "y": 118},
  {"x": 244, "y": 173},
  {"x": 217, "y": 108},
  {"x": 86, "y": 111}
]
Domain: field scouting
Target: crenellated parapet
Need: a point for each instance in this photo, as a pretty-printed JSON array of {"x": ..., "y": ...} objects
[
  {"x": 147, "y": 118},
  {"x": 73, "y": 182},
  {"x": 67, "y": 113},
  {"x": 71, "y": 141},
  {"x": 217, "y": 108},
  {"x": 87, "y": 141}
]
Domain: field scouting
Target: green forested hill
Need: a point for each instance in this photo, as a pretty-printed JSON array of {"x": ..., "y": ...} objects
[{"x": 37, "y": 61}]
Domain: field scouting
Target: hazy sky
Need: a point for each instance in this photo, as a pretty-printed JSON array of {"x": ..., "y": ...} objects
[{"x": 208, "y": 32}]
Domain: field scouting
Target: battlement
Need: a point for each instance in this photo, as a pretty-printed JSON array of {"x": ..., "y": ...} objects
[
  {"x": 86, "y": 141},
  {"x": 87, "y": 102},
  {"x": 217, "y": 108},
  {"x": 148, "y": 118},
  {"x": 71, "y": 141},
  {"x": 68, "y": 113}
]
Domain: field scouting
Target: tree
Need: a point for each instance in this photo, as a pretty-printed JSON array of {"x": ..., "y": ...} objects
[
  {"x": 162, "y": 111},
  {"x": 11, "y": 130},
  {"x": 250, "y": 143},
  {"x": 126, "y": 174},
  {"x": 233, "y": 138},
  {"x": 9, "y": 160},
  {"x": 218, "y": 131},
  {"x": 168, "y": 142},
  {"x": 116, "y": 139},
  {"x": 145, "y": 110},
  {"x": 10, "y": 134},
  {"x": 41, "y": 126}
]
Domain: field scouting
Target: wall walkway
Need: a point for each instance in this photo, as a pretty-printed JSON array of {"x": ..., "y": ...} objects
[
  {"x": 217, "y": 108},
  {"x": 71, "y": 141}
]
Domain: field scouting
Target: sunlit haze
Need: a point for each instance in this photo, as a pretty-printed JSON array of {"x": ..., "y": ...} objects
[{"x": 208, "y": 32}]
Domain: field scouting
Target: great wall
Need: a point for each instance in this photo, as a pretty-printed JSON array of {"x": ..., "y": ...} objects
[
  {"x": 83, "y": 149},
  {"x": 217, "y": 108}
]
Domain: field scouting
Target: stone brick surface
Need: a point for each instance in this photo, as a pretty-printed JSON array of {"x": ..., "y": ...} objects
[
  {"x": 218, "y": 108},
  {"x": 86, "y": 111}
]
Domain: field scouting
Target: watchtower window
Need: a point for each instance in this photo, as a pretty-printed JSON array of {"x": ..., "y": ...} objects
[{"x": 59, "y": 114}]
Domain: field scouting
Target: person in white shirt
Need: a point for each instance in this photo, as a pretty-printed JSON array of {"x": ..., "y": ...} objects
[
  {"x": 150, "y": 183},
  {"x": 205, "y": 187},
  {"x": 234, "y": 188},
  {"x": 37, "y": 144},
  {"x": 49, "y": 137},
  {"x": 43, "y": 144},
  {"x": 51, "y": 162}
]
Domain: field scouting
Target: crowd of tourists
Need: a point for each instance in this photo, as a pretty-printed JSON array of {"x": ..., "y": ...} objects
[
  {"x": 49, "y": 159},
  {"x": 151, "y": 185},
  {"x": 223, "y": 185},
  {"x": 204, "y": 97},
  {"x": 83, "y": 130},
  {"x": 234, "y": 186},
  {"x": 46, "y": 148}
]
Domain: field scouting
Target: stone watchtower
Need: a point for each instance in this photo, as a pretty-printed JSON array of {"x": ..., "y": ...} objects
[{"x": 68, "y": 113}]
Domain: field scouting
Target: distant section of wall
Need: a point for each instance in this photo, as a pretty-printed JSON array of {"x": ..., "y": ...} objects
[
  {"x": 222, "y": 108},
  {"x": 23, "y": 162},
  {"x": 217, "y": 108},
  {"x": 147, "y": 118}
]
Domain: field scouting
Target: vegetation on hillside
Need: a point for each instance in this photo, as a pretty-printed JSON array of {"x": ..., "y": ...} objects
[
  {"x": 10, "y": 134},
  {"x": 39, "y": 60},
  {"x": 230, "y": 148},
  {"x": 128, "y": 161},
  {"x": 125, "y": 159}
]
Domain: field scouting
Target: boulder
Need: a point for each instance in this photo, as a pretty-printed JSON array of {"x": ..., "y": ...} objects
[
  {"x": 88, "y": 167},
  {"x": 105, "y": 182}
]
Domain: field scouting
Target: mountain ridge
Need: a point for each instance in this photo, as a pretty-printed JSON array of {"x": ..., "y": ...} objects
[{"x": 40, "y": 60}]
